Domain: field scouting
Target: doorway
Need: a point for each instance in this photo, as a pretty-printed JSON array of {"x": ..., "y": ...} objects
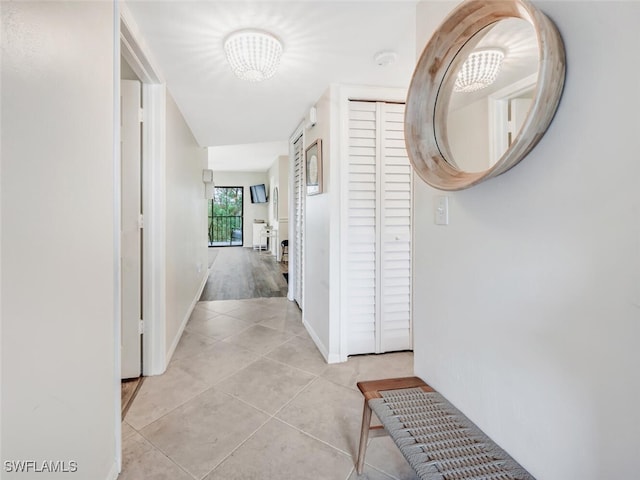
[
  {"x": 131, "y": 232},
  {"x": 226, "y": 217}
]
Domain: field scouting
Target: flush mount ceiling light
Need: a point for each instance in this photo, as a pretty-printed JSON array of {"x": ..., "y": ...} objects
[
  {"x": 479, "y": 70},
  {"x": 254, "y": 55}
]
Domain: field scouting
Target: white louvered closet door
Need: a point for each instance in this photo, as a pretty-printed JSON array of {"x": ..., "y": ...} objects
[
  {"x": 378, "y": 230},
  {"x": 299, "y": 219},
  {"x": 395, "y": 232}
]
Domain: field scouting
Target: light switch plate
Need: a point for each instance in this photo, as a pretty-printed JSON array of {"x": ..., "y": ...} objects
[{"x": 442, "y": 210}]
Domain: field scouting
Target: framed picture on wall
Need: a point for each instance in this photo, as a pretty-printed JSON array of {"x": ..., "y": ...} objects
[{"x": 313, "y": 164}]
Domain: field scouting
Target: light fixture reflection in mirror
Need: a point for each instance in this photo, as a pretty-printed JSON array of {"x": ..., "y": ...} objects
[
  {"x": 479, "y": 70},
  {"x": 457, "y": 139},
  {"x": 483, "y": 119}
]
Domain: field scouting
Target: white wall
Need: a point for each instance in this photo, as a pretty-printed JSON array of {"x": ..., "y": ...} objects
[
  {"x": 527, "y": 313},
  {"x": 468, "y": 132},
  {"x": 252, "y": 211},
  {"x": 317, "y": 236},
  {"x": 186, "y": 217},
  {"x": 59, "y": 377},
  {"x": 273, "y": 175},
  {"x": 278, "y": 176}
]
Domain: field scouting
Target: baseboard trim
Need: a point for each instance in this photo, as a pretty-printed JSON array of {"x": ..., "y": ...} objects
[
  {"x": 183, "y": 324},
  {"x": 329, "y": 358},
  {"x": 113, "y": 473},
  {"x": 323, "y": 350}
]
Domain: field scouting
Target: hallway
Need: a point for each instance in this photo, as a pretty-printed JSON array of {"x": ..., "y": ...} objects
[{"x": 248, "y": 396}]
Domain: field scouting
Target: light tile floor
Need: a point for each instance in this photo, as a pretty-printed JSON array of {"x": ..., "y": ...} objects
[{"x": 248, "y": 396}]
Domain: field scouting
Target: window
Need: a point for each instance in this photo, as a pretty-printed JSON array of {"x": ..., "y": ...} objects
[{"x": 226, "y": 217}]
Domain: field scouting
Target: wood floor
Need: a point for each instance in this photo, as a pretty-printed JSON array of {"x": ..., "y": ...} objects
[
  {"x": 239, "y": 273},
  {"x": 129, "y": 391}
]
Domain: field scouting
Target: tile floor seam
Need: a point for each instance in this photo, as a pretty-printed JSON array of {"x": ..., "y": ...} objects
[
  {"x": 279, "y": 345},
  {"x": 226, "y": 377},
  {"x": 201, "y": 317},
  {"x": 287, "y": 364},
  {"x": 241, "y": 317},
  {"x": 185, "y": 356},
  {"x": 302, "y": 389},
  {"x": 351, "y": 456},
  {"x": 378, "y": 469},
  {"x": 251, "y": 435},
  {"x": 350, "y": 473},
  {"x": 208, "y": 308},
  {"x": 293, "y": 397},
  {"x": 191, "y": 333},
  {"x": 173, "y": 409},
  {"x": 200, "y": 307},
  {"x": 258, "y": 353},
  {"x": 386, "y": 474},
  {"x": 222, "y": 379},
  {"x": 218, "y": 338},
  {"x": 246, "y": 403},
  {"x": 354, "y": 388},
  {"x": 222, "y": 339},
  {"x": 163, "y": 453}
]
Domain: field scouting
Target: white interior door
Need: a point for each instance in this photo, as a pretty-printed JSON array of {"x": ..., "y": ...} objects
[
  {"x": 362, "y": 285},
  {"x": 299, "y": 196},
  {"x": 378, "y": 283},
  {"x": 131, "y": 232},
  {"x": 395, "y": 232}
]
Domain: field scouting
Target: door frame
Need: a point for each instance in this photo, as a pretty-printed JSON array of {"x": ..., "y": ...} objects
[
  {"x": 153, "y": 200},
  {"x": 499, "y": 124}
]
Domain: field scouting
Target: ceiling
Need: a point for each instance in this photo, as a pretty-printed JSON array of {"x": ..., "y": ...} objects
[{"x": 324, "y": 42}]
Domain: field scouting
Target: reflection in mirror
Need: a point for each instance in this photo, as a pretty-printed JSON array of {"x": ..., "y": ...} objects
[
  {"x": 490, "y": 89},
  {"x": 274, "y": 203}
]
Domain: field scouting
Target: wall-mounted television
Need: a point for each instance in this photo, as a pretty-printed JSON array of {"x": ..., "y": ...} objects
[{"x": 258, "y": 193}]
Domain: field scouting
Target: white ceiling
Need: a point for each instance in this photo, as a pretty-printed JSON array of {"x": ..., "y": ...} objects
[
  {"x": 246, "y": 157},
  {"x": 324, "y": 42}
]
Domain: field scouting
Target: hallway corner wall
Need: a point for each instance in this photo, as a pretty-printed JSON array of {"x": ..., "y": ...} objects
[
  {"x": 59, "y": 236},
  {"x": 186, "y": 224}
]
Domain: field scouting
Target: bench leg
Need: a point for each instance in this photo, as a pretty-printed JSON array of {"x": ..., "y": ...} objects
[{"x": 364, "y": 436}]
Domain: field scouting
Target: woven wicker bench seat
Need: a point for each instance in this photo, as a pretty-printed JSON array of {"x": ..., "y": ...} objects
[{"x": 437, "y": 440}]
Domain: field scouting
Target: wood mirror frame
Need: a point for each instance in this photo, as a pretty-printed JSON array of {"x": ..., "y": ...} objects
[{"x": 424, "y": 123}]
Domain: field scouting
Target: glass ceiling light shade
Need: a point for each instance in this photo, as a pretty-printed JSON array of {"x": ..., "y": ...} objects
[
  {"x": 479, "y": 70},
  {"x": 253, "y": 55}
]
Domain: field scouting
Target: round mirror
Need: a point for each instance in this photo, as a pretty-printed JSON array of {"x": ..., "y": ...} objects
[{"x": 483, "y": 92}]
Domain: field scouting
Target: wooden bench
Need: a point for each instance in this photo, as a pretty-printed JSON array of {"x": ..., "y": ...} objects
[{"x": 437, "y": 440}]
